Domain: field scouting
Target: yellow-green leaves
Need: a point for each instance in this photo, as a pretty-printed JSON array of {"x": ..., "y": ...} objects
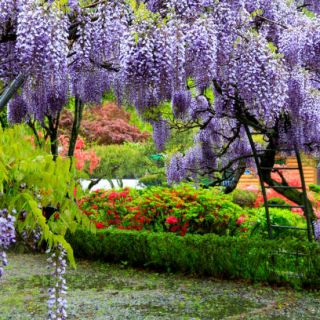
[
  {"x": 309, "y": 13},
  {"x": 30, "y": 180},
  {"x": 258, "y": 12},
  {"x": 133, "y": 5},
  {"x": 274, "y": 49},
  {"x": 142, "y": 13}
]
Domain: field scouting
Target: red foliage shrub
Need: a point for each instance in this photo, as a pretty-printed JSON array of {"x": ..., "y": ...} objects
[
  {"x": 107, "y": 124},
  {"x": 273, "y": 194}
]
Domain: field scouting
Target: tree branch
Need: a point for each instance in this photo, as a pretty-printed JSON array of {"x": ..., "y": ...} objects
[
  {"x": 11, "y": 89},
  {"x": 272, "y": 21}
]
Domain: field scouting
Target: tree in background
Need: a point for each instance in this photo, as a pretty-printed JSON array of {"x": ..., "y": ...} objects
[
  {"x": 126, "y": 161},
  {"x": 104, "y": 125}
]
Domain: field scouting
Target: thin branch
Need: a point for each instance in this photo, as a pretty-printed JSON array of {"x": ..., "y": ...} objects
[
  {"x": 94, "y": 4},
  {"x": 231, "y": 140},
  {"x": 31, "y": 124},
  {"x": 106, "y": 65},
  {"x": 272, "y": 21},
  {"x": 283, "y": 179},
  {"x": 8, "y": 37},
  {"x": 208, "y": 170}
]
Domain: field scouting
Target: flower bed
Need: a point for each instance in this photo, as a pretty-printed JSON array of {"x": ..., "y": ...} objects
[{"x": 181, "y": 210}]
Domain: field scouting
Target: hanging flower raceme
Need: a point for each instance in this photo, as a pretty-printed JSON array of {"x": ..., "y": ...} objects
[
  {"x": 40, "y": 53},
  {"x": 7, "y": 236},
  {"x": 316, "y": 227},
  {"x": 33, "y": 237},
  {"x": 161, "y": 133},
  {"x": 57, "y": 303},
  {"x": 181, "y": 103}
]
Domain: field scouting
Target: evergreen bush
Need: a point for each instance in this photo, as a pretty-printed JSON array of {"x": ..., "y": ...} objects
[{"x": 289, "y": 262}]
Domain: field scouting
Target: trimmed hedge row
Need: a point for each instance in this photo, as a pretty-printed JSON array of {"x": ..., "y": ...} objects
[{"x": 274, "y": 261}]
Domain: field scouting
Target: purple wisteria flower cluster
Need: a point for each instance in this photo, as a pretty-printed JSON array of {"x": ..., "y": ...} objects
[
  {"x": 57, "y": 302},
  {"x": 33, "y": 237},
  {"x": 316, "y": 228},
  {"x": 7, "y": 236},
  {"x": 161, "y": 133}
]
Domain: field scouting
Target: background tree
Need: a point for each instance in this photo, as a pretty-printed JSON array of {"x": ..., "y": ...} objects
[
  {"x": 104, "y": 125},
  {"x": 126, "y": 161}
]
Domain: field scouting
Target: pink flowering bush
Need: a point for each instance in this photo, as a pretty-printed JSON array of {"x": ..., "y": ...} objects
[{"x": 84, "y": 159}]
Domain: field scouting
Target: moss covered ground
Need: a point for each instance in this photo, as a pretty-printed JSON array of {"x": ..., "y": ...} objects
[{"x": 107, "y": 291}]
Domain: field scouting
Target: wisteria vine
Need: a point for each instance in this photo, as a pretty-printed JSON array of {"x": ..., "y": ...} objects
[
  {"x": 7, "y": 236},
  {"x": 261, "y": 58},
  {"x": 221, "y": 64},
  {"x": 57, "y": 303}
]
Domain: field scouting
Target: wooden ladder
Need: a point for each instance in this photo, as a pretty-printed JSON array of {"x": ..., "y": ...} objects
[{"x": 264, "y": 187}]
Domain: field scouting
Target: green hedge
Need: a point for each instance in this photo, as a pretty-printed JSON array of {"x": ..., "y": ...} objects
[{"x": 279, "y": 262}]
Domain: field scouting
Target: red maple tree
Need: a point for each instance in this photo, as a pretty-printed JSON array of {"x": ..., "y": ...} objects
[{"x": 107, "y": 124}]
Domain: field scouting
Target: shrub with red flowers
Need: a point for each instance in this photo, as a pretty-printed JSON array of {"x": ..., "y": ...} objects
[
  {"x": 99, "y": 225},
  {"x": 84, "y": 158},
  {"x": 181, "y": 210},
  {"x": 275, "y": 197},
  {"x": 241, "y": 219},
  {"x": 113, "y": 209},
  {"x": 293, "y": 179},
  {"x": 172, "y": 220}
]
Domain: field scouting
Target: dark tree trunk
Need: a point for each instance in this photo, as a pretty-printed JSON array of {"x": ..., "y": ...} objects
[
  {"x": 93, "y": 182},
  {"x": 78, "y": 110},
  {"x": 291, "y": 194},
  {"x": 268, "y": 158},
  {"x": 53, "y": 133},
  {"x": 31, "y": 124},
  {"x": 236, "y": 177}
]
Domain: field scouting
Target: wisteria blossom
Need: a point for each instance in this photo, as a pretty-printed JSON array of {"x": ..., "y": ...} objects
[
  {"x": 221, "y": 65},
  {"x": 7, "y": 236},
  {"x": 57, "y": 303}
]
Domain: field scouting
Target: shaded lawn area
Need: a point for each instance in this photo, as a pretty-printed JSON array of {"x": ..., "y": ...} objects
[{"x": 106, "y": 291}]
